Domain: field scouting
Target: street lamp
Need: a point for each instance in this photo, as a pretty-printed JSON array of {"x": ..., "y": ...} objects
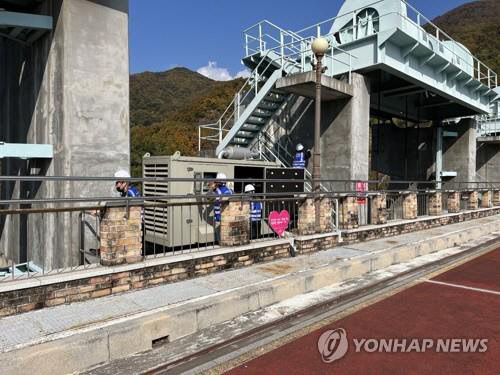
[{"x": 319, "y": 47}]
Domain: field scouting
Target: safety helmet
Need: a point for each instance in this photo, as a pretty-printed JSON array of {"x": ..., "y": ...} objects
[
  {"x": 299, "y": 147},
  {"x": 249, "y": 188},
  {"x": 221, "y": 176},
  {"x": 122, "y": 173}
]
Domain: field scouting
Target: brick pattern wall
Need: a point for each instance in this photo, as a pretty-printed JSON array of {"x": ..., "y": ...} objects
[
  {"x": 453, "y": 202},
  {"x": 348, "y": 218},
  {"x": 435, "y": 203},
  {"x": 379, "y": 209},
  {"x": 472, "y": 199},
  {"x": 486, "y": 199},
  {"x": 394, "y": 230},
  {"x": 409, "y": 206},
  {"x": 307, "y": 216},
  {"x": 234, "y": 223},
  {"x": 316, "y": 244},
  {"x": 120, "y": 235},
  {"x": 18, "y": 301},
  {"x": 496, "y": 198}
]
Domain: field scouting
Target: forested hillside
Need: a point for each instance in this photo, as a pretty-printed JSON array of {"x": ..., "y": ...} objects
[
  {"x": 167, "y": 107},
  {"x": 477, "y": 26}
]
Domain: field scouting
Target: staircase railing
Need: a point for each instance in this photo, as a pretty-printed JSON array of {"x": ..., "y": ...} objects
[{"x": 289, "y": 52}]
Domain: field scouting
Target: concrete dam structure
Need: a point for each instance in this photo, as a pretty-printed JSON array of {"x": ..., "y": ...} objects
[
  {"x": 400, "y": 98},
  {"x": 64, "y": 111}
]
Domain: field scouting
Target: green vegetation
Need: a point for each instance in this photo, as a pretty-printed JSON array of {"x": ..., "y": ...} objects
[
  {"x": 477, "y": 26},
  {"x": 167, "y": 107}
]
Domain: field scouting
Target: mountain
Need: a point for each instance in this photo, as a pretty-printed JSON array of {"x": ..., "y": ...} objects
[
  {"x": 167, "y": 107},
  {"x": 154, "y": 95},
  {"x": 477, "y": 26}
]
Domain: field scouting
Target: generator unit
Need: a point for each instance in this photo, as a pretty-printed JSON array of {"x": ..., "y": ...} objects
[{"x": 187, "y": 222}]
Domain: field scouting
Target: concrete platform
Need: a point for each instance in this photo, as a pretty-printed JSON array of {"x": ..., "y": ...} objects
[
  {"x": 85, "y": 334},
  {"x": 303, "y": 84}
]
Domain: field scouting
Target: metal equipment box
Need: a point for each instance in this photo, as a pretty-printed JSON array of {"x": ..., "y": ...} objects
[{"x": 187, "y": 223}]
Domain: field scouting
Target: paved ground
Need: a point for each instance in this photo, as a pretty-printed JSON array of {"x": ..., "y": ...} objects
[
  {"x": 461, "y": 303},
  {"x": 36, "y": 326}
]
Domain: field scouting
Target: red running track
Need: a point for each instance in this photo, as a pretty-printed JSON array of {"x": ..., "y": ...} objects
[{"x": 424, "y": 311}]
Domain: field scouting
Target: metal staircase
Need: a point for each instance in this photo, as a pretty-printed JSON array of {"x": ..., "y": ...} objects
[{"x": 272, "y": 53}]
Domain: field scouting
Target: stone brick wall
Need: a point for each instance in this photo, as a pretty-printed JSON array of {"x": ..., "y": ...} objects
[
  {"x": 234, "y": 223},
  {"x": 379, "y": 209},
  {"x": 486, "y": 199},
  {"x": 358, "y": 235},
  {"x": 305, "y": 246},
  {"x": 410, "y": 208},
  {"x": 32, "y": 298},
  {"x": 496, "y": 198},
  {"x": 453, "y": 202},
  {"x": 120, "y": 235},
  {"x": 472, "y": 199},
  {"x": 348, "y": 217},
  {"x": 435, "y": 203},
  {"x": 307, "y": 216},
  {"x": 119, "y": 229}
]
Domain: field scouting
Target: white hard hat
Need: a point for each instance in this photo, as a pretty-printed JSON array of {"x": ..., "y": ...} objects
[
  {"x": 249, "y": 188},
  {"x": 221, "y": 176},
  {"x": 299, "y": 147},
  {"x": 122, "y": 173}
]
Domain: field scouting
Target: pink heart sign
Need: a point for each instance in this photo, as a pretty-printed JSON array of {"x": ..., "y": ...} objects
[{"x": 279, "y": 221}]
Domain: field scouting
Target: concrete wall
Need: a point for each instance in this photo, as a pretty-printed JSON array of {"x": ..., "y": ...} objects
[
  {"x": 459, "y": 154},
  {"x": 488, "y": 162},
  {"x": 344, "y": 133},
  {"x": 69, "y": 89}
]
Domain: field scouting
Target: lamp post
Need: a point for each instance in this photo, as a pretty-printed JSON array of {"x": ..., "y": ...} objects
[{"x": 319, "y": 47}]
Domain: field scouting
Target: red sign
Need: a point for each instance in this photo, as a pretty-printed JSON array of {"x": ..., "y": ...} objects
[
  {"x": 361, "y": 188},
  {"x": 279, "y": 221}
]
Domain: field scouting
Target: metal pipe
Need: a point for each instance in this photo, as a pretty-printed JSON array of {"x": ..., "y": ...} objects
[{"x": 317, "y": 140}]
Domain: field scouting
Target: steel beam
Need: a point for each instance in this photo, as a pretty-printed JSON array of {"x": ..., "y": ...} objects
[{"x": 26, "y": 151}]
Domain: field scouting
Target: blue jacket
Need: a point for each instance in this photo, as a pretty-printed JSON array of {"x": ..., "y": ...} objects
[
  {"x": 299, "y": 161},
  {"x": 133, "y": 192},
  {"x": 255, "y": 211},
  {"x": 222, "y": 190}
]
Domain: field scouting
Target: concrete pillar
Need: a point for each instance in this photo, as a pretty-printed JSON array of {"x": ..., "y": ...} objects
[
  {"x": 120, "y": 233},
  {"x": 486, "y": 199},
  {"x": 235, "y": 223},
  {"x": 348, "y": 213},
  {"x": 345, "y": 134},
  {"x": 379, "y": 209},
  {"x": 453, "y": 202},
  {"x": 459, "y": 154},
  {"x": 472, "y": 199},
  {"x": 435, "y": 203},
  {"x": 69, "y": 89},
  {"x": 410, "y": 210},
  {"x": 307, "y": 216},
  {"x": 496, "y": 197}
]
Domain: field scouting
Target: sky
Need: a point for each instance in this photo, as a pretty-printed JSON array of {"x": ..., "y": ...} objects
[{"x": 207, "y": 35}]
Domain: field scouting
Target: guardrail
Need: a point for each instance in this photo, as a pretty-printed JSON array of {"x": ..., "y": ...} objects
[{"x": 50, "y": 235}]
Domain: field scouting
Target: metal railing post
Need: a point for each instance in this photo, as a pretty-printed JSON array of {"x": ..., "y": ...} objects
[
  {"x": 282, "y": 50},
  {"x": 199, "y": 139},
  {"x": 220, "y": 130},
  {"x": 260, "y": 37}
]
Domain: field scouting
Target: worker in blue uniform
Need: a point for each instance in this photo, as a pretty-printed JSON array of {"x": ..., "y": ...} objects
[
  {"x": 123, "y": 187},
  {"x": 220, "y": 190},
  {"x": 301, "y": 157},
  {"x": 255, "y": 213}
]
